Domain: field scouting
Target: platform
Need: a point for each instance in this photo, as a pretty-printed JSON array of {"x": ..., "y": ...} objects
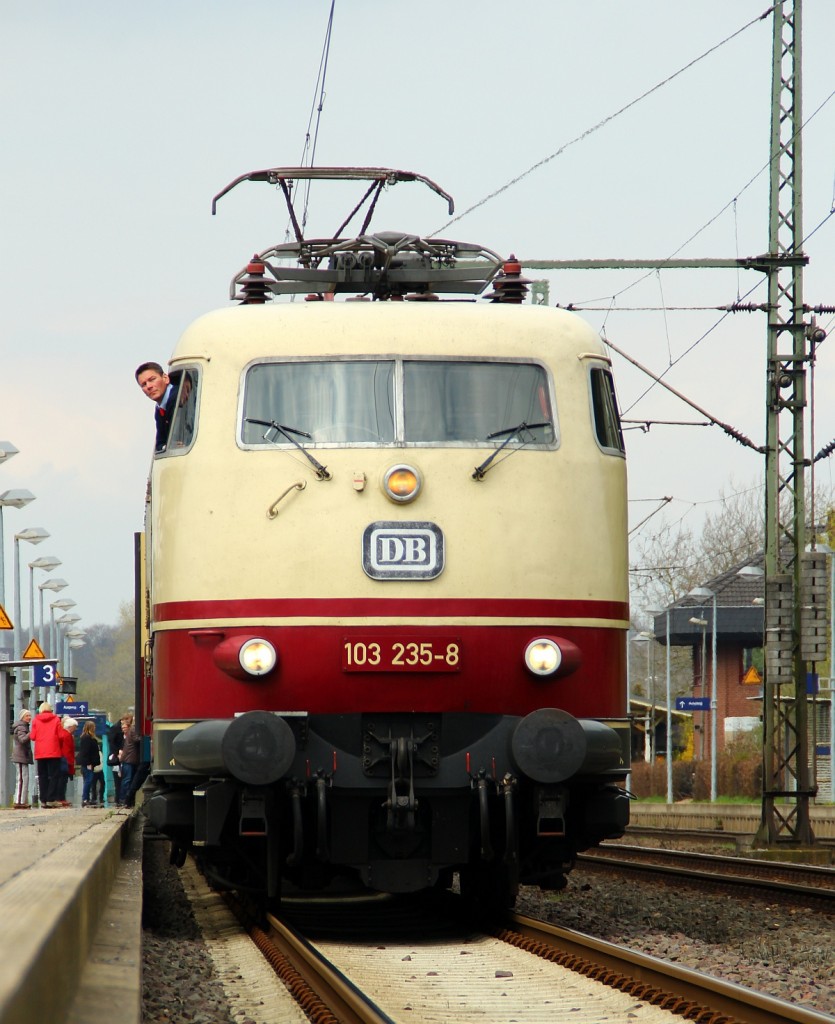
[
  {"x": 734, "y": 818},
  {"x": 71, "y": 903}
]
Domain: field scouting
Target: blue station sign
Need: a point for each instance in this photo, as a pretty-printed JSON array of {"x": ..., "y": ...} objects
[
  {"x": 75, "y": 708},
  {"x": 692, "y": 703}
]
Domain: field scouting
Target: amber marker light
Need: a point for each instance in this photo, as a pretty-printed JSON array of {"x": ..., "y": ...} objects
[{"x": 402, "y": 483}]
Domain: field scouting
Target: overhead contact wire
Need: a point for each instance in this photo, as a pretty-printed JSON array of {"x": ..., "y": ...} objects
[{"x": 605, "y": 121}]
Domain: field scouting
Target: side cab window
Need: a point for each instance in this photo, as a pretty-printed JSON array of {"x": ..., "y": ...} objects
[
  {"x": 604, "y": 408},
  {"x": 184, "y": 421}
]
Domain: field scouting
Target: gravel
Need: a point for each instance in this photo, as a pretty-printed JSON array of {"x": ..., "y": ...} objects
[
  {"x": 777, "y": 949},
  {"x": 179, "y": 985}
]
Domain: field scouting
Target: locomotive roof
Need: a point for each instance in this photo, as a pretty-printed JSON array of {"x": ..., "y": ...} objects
[{"x": 423, "y": 328}]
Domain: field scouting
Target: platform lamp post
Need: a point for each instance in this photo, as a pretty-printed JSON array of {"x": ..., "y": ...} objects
[
  {"x": 648, "y": 638},
  {"x": 9, "y": 499},
  {"x": 7, "y": 451},
  {"x": 67, "y": 620},
  {"x": 666, "y": 613},
  {"x": 703, "y": 673},
  {"x": 74, "y": 645},
  {"x": 62, "y": 605},
  {"x": 61, "y": 652},
  {"x": 47, "y": 563},
  {"x": 54, "y": 585},
  {"x": 34, "y": 535},
  {"x": 704, "y": 592}
]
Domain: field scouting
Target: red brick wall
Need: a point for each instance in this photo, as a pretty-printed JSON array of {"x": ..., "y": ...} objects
[{"x": 732, "y": 694}]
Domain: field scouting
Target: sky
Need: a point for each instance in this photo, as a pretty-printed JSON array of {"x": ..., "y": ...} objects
[{"x": 120, "y": 123}]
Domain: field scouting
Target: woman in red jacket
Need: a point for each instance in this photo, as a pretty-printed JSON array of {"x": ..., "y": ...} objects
[{"x": 45, "y": 735}]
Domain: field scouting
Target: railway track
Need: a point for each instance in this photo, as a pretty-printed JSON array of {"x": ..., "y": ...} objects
[
  {"x": 800, "y": 881},
  {"x": 382, "y": 960}
]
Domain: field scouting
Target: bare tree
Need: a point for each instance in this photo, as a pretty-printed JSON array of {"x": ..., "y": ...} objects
[{"x": 668, "y": 559}]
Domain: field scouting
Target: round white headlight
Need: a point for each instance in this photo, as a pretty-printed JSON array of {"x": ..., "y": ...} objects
[
  {"x": 257, "y": 657},
  {"x": 543, "y": 657}
]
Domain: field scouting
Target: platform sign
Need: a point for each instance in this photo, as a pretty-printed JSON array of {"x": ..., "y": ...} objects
[
  {"x": 45, "y": 674},
  {"x": 692, "y": 703},
  {"x": 74, "y": 708}
]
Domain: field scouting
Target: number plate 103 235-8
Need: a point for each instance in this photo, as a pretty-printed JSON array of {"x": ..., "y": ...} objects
[{"x": 401, "y": 654}]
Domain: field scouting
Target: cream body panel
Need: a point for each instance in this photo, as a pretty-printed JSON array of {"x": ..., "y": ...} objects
[{"x": 542, "y": 524}]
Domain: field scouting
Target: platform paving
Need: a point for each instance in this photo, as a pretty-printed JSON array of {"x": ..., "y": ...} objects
[{"x": 63, "y": 935}]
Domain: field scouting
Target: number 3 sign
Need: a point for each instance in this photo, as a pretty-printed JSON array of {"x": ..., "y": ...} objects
[{"x": 45, "y": 675}]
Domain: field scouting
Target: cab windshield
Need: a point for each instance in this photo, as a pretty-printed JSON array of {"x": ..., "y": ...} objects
[{"x": 397, "y": 402}]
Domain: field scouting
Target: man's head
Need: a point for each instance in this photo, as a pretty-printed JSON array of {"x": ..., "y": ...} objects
[
  {"x": 153, "y": 380},
  {"x": 70, "y": 724}
]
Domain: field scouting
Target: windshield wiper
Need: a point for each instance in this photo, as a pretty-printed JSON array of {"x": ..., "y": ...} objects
[
  {"x": 321, "y": 471},
  {"x": 478, "y": 473}
]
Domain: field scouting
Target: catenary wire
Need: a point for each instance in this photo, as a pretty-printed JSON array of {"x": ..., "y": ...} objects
[{"x": 605, "y": 121}]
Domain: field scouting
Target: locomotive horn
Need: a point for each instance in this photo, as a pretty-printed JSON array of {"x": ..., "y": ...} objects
[
  {"x": 257, "y": 747},
  {"x": 549, "y": 746}
]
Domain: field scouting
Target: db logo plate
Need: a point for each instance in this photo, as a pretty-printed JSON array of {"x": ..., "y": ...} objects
[{"x": 402, "y": 551}]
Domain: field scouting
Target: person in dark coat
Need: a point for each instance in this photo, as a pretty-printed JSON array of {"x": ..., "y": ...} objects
[
  {"x": 115, "y": 740},
  {"x": 89, "y": 757},
  {"x": 128, "y": 757},
  {"x": 45, "y": 734},
  {"x": 157, "y": 385},
  {"x": 22, "y": 760}
]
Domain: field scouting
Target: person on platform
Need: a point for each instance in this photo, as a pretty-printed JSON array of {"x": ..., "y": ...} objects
[
  {"x": 128, "y": 757},
  {"x": 22, "y": 760},
  {"x": 115, "y": 742},
  {"x": 157, "y": 385},
  {"x": 45, "y": 734},
  {"x": 97, "y": 793},
  {"x": 67, "y": 738},
  {"x": 89, "y": 757}
]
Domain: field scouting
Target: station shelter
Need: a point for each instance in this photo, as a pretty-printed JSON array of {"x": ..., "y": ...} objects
[{"x": 739, "y": 626}]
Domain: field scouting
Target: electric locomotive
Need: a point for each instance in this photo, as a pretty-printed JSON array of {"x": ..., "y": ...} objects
[{"x": 386, "y": 570}]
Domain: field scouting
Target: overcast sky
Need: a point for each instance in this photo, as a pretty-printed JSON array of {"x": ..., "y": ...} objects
[{"x": 120, "y": 122}]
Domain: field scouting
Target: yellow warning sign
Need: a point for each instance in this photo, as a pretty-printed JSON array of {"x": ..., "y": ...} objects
[
  {"x": 752, "y": 677},
  {"x": 33, "y": 650},
  {"x": 5, "y": 621}
]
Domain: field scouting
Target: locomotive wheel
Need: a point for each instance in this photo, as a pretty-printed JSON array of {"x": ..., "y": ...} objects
[{"x": 490, "y": 888}]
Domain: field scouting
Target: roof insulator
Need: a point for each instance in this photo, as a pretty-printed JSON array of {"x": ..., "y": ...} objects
[
  {"x": 509, "y": 285},
  {"x": 254, "y": 288}
]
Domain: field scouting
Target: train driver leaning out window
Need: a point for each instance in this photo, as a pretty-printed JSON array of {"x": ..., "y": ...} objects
[{"x": 157, "y": 385}]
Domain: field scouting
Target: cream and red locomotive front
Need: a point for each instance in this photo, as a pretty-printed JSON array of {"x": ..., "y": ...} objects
[{"x": 386, "y": 574}]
